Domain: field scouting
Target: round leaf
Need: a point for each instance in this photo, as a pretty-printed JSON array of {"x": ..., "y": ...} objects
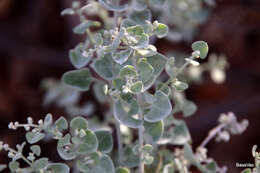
[
  {"x": 79, "y": 79},
  {"x": 202, "y": 47},
  {"x": 105, "y": 141}
]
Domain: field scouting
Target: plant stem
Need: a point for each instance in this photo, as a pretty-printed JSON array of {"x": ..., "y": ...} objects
[
  {"x": 141, "y": 143},
  {"x": 119, "y": 142},
  {"x": 212, "y": 133},
  {"x": 22, "y": 157}
]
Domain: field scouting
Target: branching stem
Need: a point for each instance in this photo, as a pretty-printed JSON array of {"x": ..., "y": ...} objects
[{"x": 212, "y": 133}]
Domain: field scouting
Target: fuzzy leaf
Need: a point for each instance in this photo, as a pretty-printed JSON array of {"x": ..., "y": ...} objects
[
  {"x": 147, "y": 52},
  {"x": 153, "y": 131},
  {"x": 116, "y": 42},
  {"x": 13, "y": 166},
  {"x": 180, "y": 86},
  {"x": 128, "y": 71},
  {"x": 36, "y": 150},
  {"x": 145, "y": 70},
  {"x": 131, "y": 158},
  {"x": 170, "y": 68},
  {"x": 34, "y": 137},
  {"x": 58, "y": 168},
  {"x": 122, "y": 56},
  {"x": 104, "y": 66},
  {"x": 100, "y": 164},
  {"x": 202, "y": 47},
  {"x": 136, "y": 30},
  {"x": 82, "y": 27},
  {"x": 79, "y": 79},
  {"x": 78, "y": 59},
  {"x": 137, "y": 87},
  {"x": 180, "y": 134},
  {"x": 64, "y": 153},
  {"x": 89, "y": 143},
  {"x": 47, "y": 121},
  {"x": 109, "y": 6},
  {"x": 105, "y": 141},
  {"x": 143, "y": 42},
  {"x": 161, "y": 30},
  {"x": 140, "y": 17},
  {"x": 40, "y": 163},
  {"x": 160, "y": 109},
  {"x": 124, "y": 116},
  {"x": 78, "y": 123},
  {"x": 61, "y": 123}
]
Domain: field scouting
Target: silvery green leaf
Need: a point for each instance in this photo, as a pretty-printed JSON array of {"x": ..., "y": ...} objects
[
  {"x": 66, "y": 154},
  {"x": 47, "y": 121},
  {"x": 158, "y": 62},
  {"x": 109, "y": 6},
  {"x": 160, "y": 109},
  {"x": 122, "y": 56},
  {"x": 99, "y": 91},
  {"x": 127, "y": 23},
  {"x": 58, "y": 168},
  {"x": 136, "y": 30},
  {"x": 13, "y": 166},
  {"x": 202, "y": 47},
  {"x": 122, "y": 170},
  {"x": 124, "y": 114},
  {"x": 68, "y": 11},
  {"x": 143, "y": 42},
  {"x": 82, "y": 27},
  {"x": 164, "y": 88},
  {"x": 179, "y": 85},
  {"x": 169, "y": 168},
  {"x": 89, "y": 143},
  {"x": 104, "y": 66},
  {"x": 148, "y": 51},
  {"x": 128, "y": 71},
  {"x": 149, "y": 98},
  {"x": 145, "y": 69},
  {"x": 188, "y": 154},
  {"x": 161, "y": 30},
  {"x": 40, "y": 163},
  {"x": 79, "y": 59},
  {"x": 180, "y": 133},
  {"x": 153, "y": 131},
  {"x": 78, "y": 123},
  {"x": 140, "y": 17},
  {"x": 105, "y": 141},
  {"x": 34, "y": 137},
  {"x": 118, "y": 83},
  {"x": 116, "y": 42},
  {"x": 137, "y": 87},
  {"x": 61, "y": 123},
  {"x": 79, "y": 79},
  {"x": 36, "y": 150},
  {"x": 96, "y": 164},
  {"x": 188, "y": 108},
  {"x": 131, "y": 159}
]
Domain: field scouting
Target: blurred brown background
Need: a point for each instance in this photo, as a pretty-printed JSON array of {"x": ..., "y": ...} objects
[{"x": 34, "y": 41}]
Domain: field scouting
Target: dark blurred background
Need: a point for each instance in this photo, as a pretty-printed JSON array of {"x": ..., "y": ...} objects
[{"x": 34, "y": 44}]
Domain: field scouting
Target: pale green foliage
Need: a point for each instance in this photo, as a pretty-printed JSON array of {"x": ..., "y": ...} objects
[{"x": 143, "y": 88}]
